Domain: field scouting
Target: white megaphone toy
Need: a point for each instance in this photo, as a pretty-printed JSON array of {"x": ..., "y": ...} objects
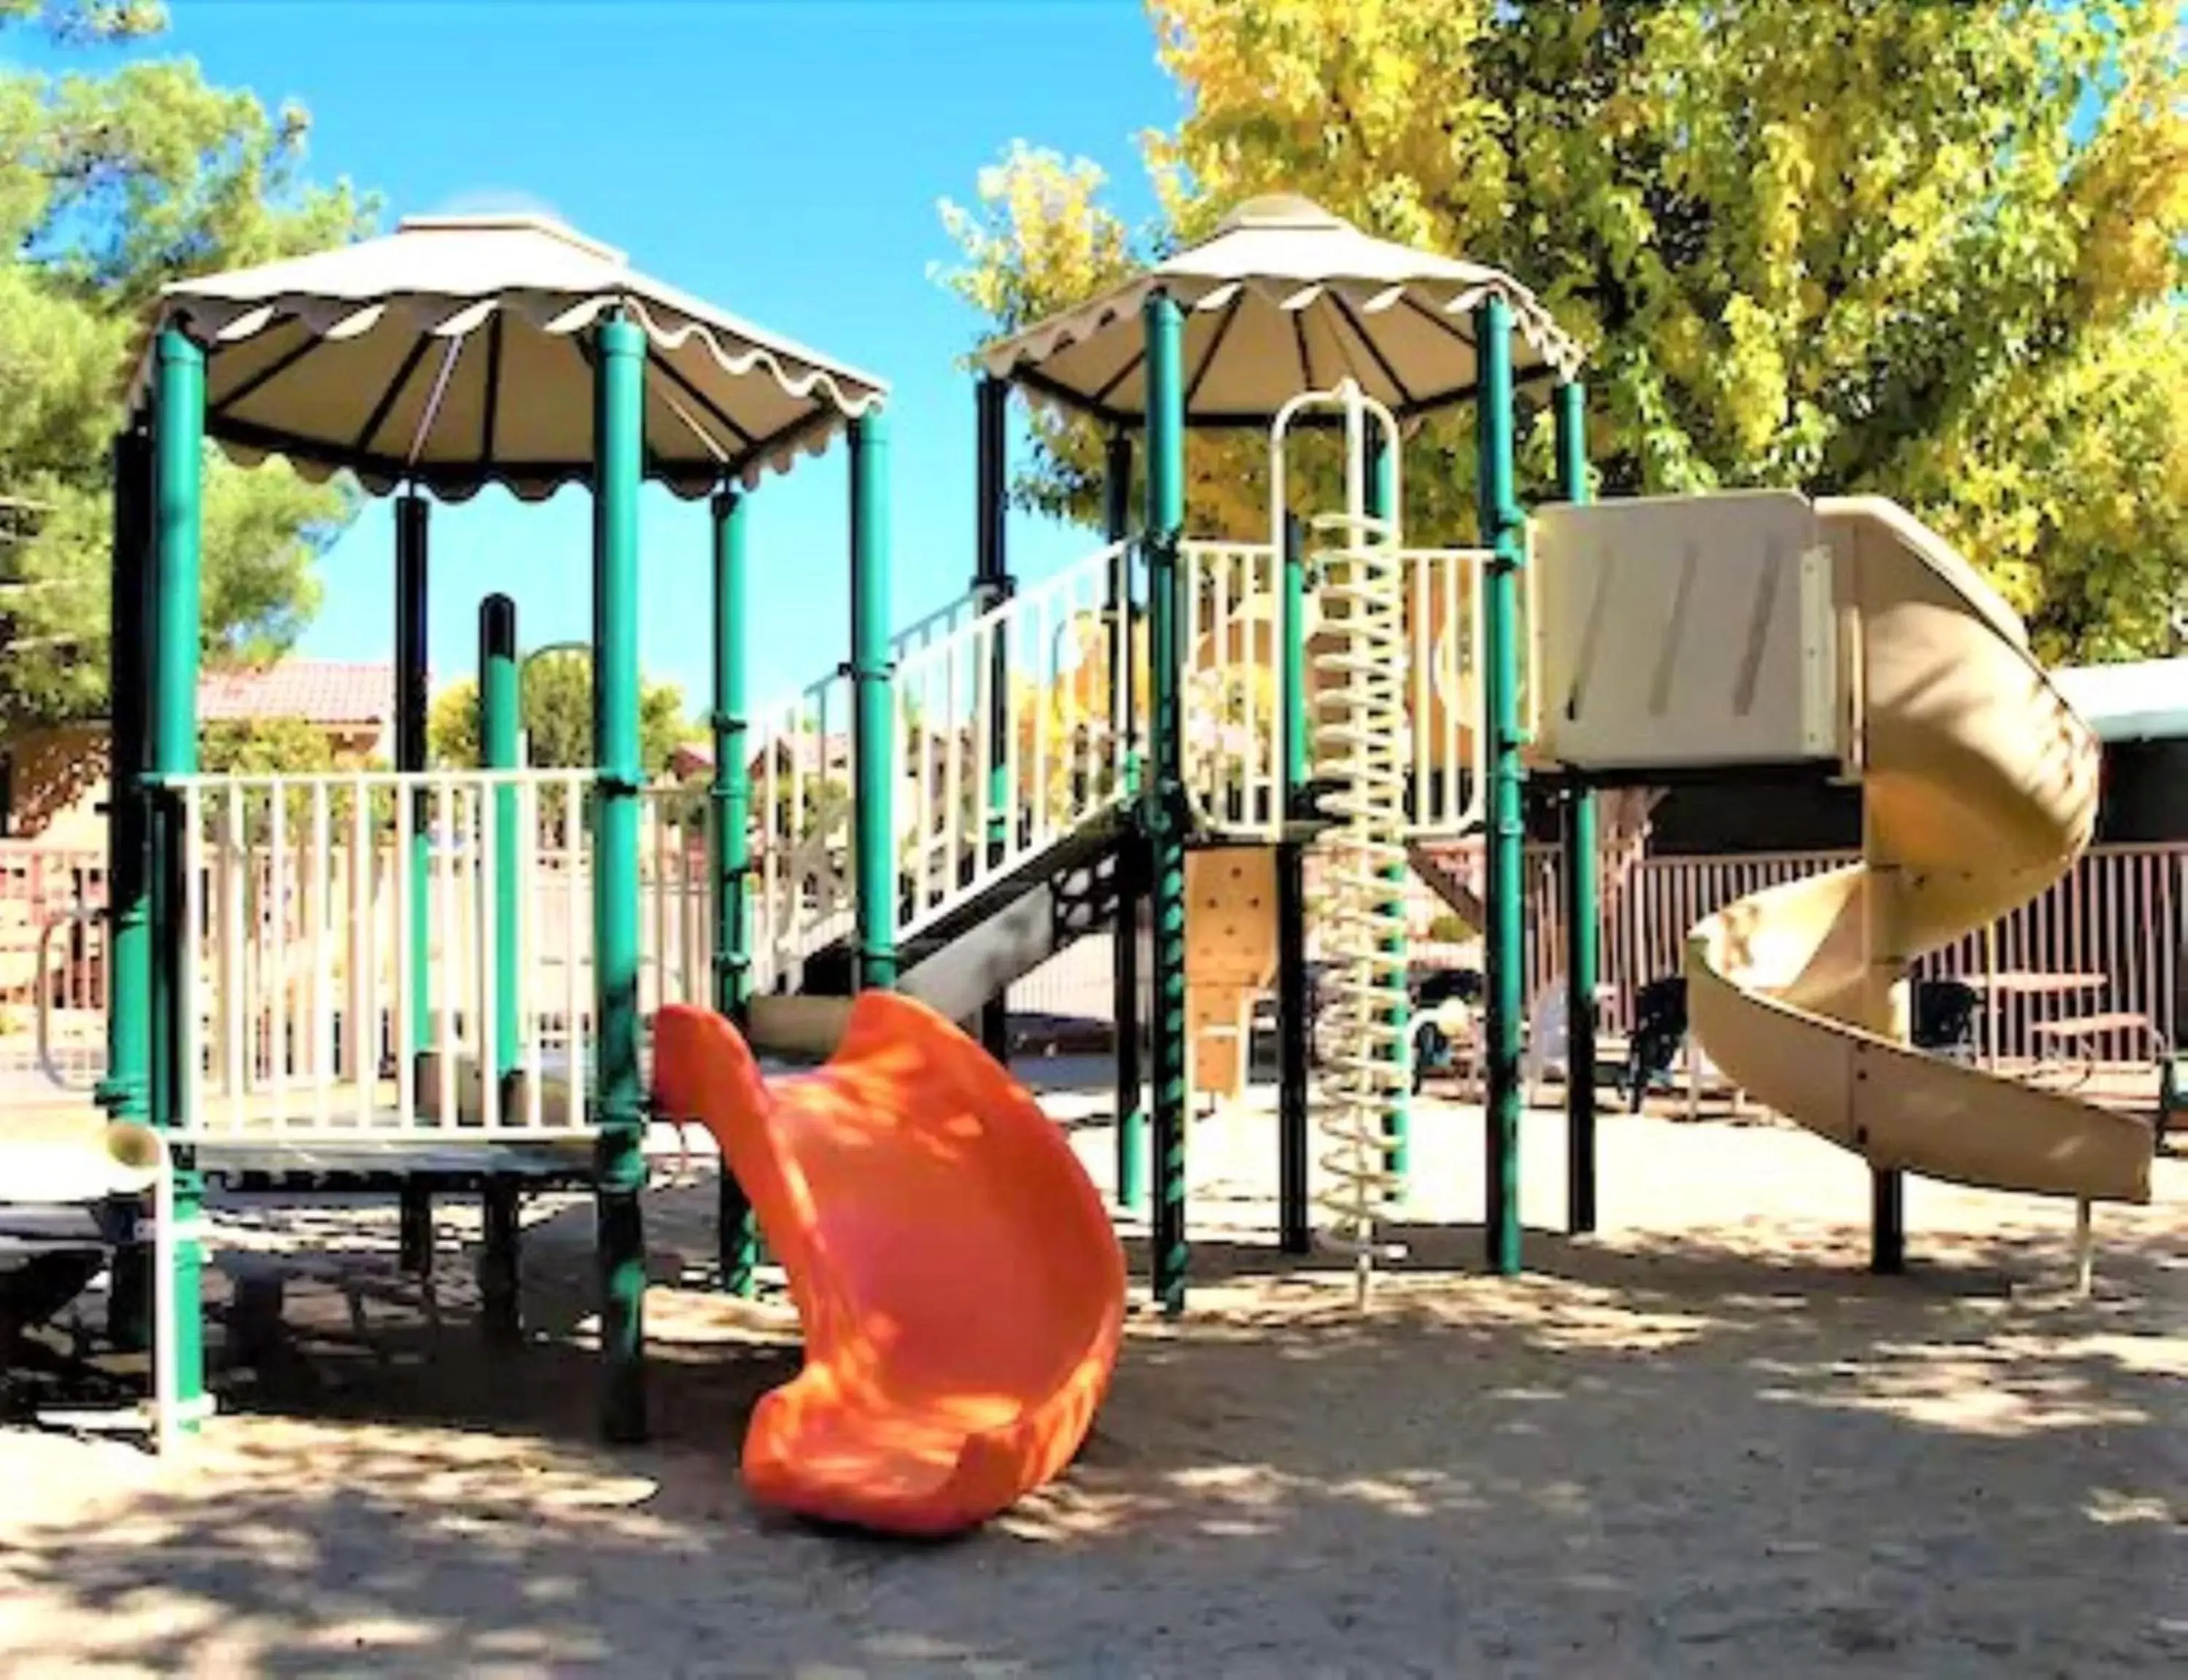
[{"x": 74, "y": 1156}]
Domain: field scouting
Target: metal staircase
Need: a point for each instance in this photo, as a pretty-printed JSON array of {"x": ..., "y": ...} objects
[{"x": 1014, "y": 752}]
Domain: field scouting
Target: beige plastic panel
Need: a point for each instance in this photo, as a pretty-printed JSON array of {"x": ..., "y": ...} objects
[
  {"x": 1980, "y": 789},
  {"x": 1230, "y": 956},
  {"x": 1683, "y": 631}
]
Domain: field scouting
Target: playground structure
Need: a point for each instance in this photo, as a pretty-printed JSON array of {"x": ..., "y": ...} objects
[{"x": 1161, "y": 729}]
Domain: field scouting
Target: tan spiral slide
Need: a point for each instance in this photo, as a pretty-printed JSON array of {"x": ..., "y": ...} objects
[{"x": 1979, "y": 788}]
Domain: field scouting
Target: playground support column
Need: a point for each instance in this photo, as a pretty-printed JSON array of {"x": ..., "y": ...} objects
[
  {"x": 991, "y": 580},
  {"x": 172, "y": 724},
  {"x": 1165, "y": 806},
  {"x": 500, "y": 721},
  {"x": 873, "y": 841},
  {"x": 1124, "y": 946},
  {"x": 1583, "y": 886},
  {"x": 1382, "y": 475},
  {"x": 1500, "y": 521},
  {"x": 1884, "y": 969},
  {"x": 1293, "y": 1234},
  {"x": 738, "y": 1232},
  {"x": 500, "y": 730},
  {"x": 413, "y": 529},
  {"x": 618, "y": 423},
  {"x": 125, "y": 1092}
]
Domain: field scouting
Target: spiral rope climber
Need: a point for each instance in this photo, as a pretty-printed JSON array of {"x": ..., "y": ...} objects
[{"x": 1363, "y": 741}]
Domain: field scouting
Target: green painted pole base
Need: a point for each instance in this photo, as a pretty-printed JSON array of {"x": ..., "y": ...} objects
[
  {"x": 189, "y": 1260},
  {"x": 1887, "y": 1222},
  {"x": 501, "y": 1263},
  {"x": 621, "y": 1248},
  {"x": 737, "y": 1234},
  {"x": 1130, "y": 1101},
  {"x": 1294, "y": 1233}
]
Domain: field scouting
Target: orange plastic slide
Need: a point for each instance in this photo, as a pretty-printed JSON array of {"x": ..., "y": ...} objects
[{"x": 961, "y": 1286}]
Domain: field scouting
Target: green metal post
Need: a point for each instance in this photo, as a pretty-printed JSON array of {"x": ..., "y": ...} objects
[
  {"x": 413, "y": 532},
  {"x": 619, "y": 424},
  {"x": 501, "y": 727},
  {"x": 1165, "y": 809},
  {"x": 1504, "y": 952},
  {"x": 413, "y": 528},
  {"x": 737, "y": 1229},
  {"x": 873, "y": 755},
  {"x": 172, "y": 726},
  {"x": 1583, "y": 886},
  {"x": 1294, "y": 1235},
  {"x": 1124, "y": 948},
  {"x": 1382, "y": 477},
  {"x": 991, "y": 577},
  {"x": 126, "y": 1092}
]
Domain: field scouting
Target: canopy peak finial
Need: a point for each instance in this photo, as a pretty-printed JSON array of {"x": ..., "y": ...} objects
[
  {"x": 1279, "y": 210},
  {"x": 514, "y": 220}
]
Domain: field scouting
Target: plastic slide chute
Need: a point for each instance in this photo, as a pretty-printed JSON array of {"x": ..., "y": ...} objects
[
  {"x": 1979, "y": 789},
  {"x": 960, "y": 1286}
]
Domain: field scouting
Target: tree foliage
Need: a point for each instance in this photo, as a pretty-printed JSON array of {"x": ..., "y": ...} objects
[
  {"x": 1932, "y": 251},
  {"x": 113, "y": 181},
  {"x": 557, "y": 706}
]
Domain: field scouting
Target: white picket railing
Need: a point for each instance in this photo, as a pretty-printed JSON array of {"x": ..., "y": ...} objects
[
  {"x": 299, "y": 893},
  {"x": 1234, "y": 633},
  {"x": 801, "y": 897},
  {"x": 1234, "y": 639},
  {"x": 1444, "y": 627},
  {"x": 973, "y": 806}
]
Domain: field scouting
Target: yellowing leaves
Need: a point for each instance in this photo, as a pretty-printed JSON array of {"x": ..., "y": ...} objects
[{"x": 1832, "y": 243}]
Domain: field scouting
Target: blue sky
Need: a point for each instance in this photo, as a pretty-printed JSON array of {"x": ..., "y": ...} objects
[{"x": 784, "y": 161}]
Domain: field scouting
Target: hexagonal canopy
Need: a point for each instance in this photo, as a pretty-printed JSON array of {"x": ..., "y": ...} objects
[
  {"x": 452, "y": 353},
  {"x": 1285, "y": 297}
]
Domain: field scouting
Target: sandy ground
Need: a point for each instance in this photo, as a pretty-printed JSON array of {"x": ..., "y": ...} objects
[{"x": 1702, "y": 1442}]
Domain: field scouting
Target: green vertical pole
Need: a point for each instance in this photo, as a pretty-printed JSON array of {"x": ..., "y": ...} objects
[
  {"x": 737, "y": 1231},
  {"x": 991, "y": 577},
  {"x": 872, "y": 749},
  {"x": 618, "y": 425},
  {"x": 1294, "y": 1235},
  {"x": 1583, "y": 889},
  {"x": 1382, "y": 477},
  {"x": 172, "y": 726},
  {"x": 501, "y": 727},
  {"x": 1500, "y": 532},
  {"x": 124, "y": 1093},
  {"x": 413, "y": 526},
  {"x": 1164, "y": 808},
  {"x": 1124, "y": 949}
]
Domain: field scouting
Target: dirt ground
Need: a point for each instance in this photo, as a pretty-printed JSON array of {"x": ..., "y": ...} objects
[{"x": 1703, "y": 1441}]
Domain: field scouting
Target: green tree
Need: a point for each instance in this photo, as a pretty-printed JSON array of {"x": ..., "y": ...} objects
[
  {"x": 113, "y": 181},
  {"x": 1932, "y": 251},
  {"x": 558, "y": 717}
]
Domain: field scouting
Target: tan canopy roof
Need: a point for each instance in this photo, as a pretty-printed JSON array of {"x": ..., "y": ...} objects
[
  {"x": 452, "y": 353},
  {"x": 1285, "y": 297}
]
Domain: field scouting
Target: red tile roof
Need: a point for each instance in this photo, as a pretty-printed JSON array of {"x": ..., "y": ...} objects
[{"x": 316, "y": 690}]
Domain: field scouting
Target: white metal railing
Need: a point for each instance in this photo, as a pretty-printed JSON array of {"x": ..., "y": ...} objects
[
  {"x": 1444, "y": 630},
  {"x": 801, "y": 901},
  {"x": 67, "y": 1072},
  {"x": 1234, "y": 635},
  {"x": 975, "y": 804},
  {"x": 312, "y": 1016},
  {"x": 1234, "y": 631}
]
